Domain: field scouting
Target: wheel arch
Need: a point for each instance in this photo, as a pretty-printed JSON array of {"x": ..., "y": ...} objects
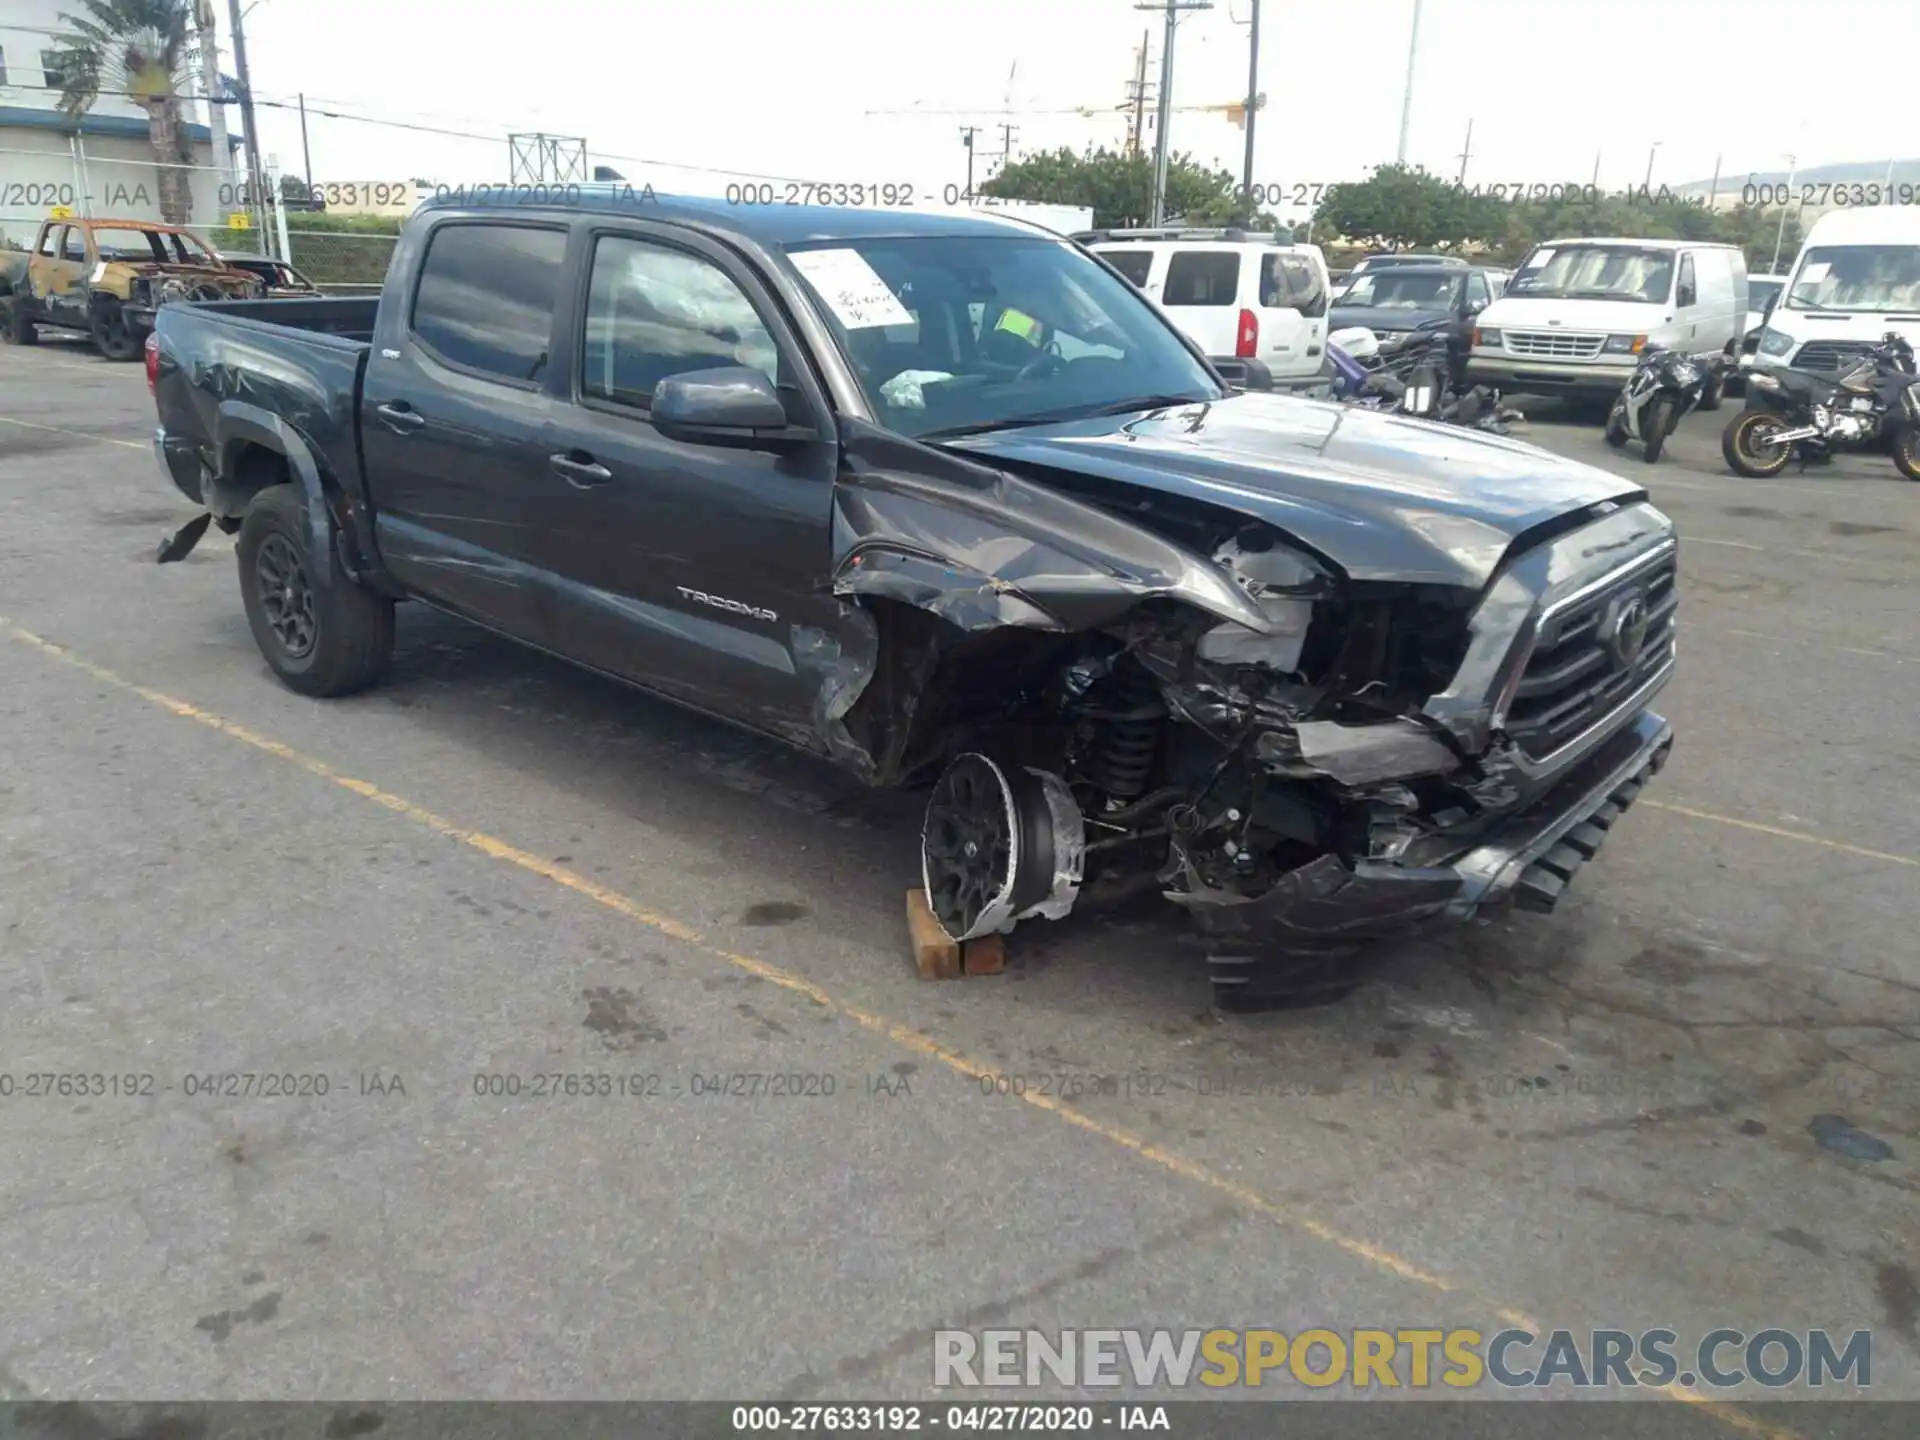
[{"x": 258, "y": 449}]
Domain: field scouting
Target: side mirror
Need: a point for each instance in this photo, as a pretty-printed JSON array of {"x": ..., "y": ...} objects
[
  {"x": 1766, "y": 310},
  {"x": 731, "y": 402}
]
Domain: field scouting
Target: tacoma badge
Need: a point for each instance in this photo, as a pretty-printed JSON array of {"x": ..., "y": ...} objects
[{"x": 720, "y": 602}]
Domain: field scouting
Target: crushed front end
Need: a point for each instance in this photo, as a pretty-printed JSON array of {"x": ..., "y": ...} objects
[{"x": 1382, "y": 755}]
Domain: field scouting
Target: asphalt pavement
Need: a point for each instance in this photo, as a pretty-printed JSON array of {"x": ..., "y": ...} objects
[{"x": 1690, "y": 1098}]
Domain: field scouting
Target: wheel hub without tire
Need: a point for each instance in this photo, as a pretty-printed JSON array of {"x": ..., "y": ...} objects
[{"x": 998, "y": 846}]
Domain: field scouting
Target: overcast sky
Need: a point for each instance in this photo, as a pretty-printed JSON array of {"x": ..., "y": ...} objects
[{"x": 784, "y": 89}]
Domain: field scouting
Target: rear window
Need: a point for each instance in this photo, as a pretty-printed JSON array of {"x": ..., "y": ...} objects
[
  {"x": 487, "y": 295},
  {"x": 1202, "y": 277},
  {"x": 1134, "y": 264}
]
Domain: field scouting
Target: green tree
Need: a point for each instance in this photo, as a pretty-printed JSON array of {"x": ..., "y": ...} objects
[
  {"x": 1118, "y": 186},
  {"x": 1403, "y": 207},
  {"x": 140, "y": 49}
]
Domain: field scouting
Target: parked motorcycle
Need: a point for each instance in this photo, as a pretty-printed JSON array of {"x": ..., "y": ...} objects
[
  {"x": 1796, "y": 413},
  {"x": 1411, "y": 379},
  {"x": 1665, "y": 387}
]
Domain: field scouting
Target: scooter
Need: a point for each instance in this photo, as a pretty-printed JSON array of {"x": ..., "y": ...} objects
[{"x": 1665, "y": 387}]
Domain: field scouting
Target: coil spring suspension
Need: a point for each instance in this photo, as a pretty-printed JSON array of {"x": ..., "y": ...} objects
[{"x": 1121, "y": 759}]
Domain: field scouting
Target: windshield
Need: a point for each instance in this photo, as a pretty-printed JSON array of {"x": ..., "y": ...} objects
[
  {"x": 149, "y": 247},
  {"x": 1403, "y": 290},
  {"x": 950, "y": 334},
  {"x": 1857, "y": 277},
  {"x": 1595, "y": 272}
]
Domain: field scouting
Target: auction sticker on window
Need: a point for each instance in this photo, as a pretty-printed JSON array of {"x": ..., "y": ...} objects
[{"x": 855, "y": 293}]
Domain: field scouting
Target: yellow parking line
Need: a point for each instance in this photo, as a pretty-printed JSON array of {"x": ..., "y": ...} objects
[
  {"x": 1778, "y": 833},
  {"x": 77, "y": 434},
  {"x": 1378, "y": 1256}
]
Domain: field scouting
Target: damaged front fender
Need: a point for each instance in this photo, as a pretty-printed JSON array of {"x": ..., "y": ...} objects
[{"x": 981, "y": 548}]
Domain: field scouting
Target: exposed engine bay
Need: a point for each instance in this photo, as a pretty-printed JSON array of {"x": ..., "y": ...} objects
[{"x": 1302, "y": 778}]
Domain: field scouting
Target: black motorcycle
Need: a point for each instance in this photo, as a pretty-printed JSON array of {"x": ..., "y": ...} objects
[
  {"x": 1794, "y": 413},
  {"x": 1665, "y": 387}
]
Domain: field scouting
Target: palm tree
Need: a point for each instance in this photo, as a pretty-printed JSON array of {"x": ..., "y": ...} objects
[{"x": 139, "y": 48}]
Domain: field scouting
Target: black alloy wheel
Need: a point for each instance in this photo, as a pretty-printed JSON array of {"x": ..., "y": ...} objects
[{"x": 286, "y": 597}]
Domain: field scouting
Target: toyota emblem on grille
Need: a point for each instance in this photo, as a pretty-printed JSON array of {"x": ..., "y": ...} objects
[{"x": 1623, "y": 629}]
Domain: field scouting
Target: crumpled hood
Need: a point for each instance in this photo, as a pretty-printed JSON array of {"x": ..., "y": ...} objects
[{"x": 1383, "y": 497}]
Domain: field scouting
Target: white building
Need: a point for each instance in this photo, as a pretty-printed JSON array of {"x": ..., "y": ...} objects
[{"x": 99, "y": 164}]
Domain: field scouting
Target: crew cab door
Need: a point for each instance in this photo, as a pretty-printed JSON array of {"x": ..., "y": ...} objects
[
  {"x": 705, "y": 563},
  {"x": 456, "y": 424}
]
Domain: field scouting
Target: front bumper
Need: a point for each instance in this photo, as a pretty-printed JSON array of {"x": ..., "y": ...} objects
[
  {"x": 1523, "y": 860},
  {"x": 1547, "y": 377}
]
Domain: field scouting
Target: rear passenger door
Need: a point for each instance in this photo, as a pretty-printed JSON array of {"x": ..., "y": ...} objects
[
  {"x": 706, "y": 565},
  {"x": 456, "y": 426}
]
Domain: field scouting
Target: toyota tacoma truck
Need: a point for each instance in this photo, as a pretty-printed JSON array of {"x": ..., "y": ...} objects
[{"x": 1316, "y": 674}]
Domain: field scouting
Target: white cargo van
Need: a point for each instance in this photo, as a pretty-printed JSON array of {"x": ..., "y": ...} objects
[
  {"x": 1857, "y": 277},
  {"x": 1249, "y": 300},
  {"x": 1578, "y": 312}
]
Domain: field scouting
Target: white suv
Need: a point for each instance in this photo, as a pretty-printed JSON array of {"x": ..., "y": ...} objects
[{"x": 1255, "y": 304}]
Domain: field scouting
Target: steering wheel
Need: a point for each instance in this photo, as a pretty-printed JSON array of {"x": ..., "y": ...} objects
[{"x": 1046, "y": 364}]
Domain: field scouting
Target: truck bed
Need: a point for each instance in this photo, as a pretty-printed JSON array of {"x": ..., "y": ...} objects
[
  {"x": 347, "y": 317},
  {"x": 295, "y": 362}
]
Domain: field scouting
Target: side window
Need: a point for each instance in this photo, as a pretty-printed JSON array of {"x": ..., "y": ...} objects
[
  {"x": 1273, "y": 283},
  {"x": 1686, "y": 292},
  {"x": 654, "y": 312},
  {"x": 1202, "y": 277},
  {"x": 50, "y": 242},
  {"x": 1136, "y": 265},
  {"x": 1478, "y": 296},
  {"x": 487, "y": 295},
  {"x": 1303, "y": 284}
]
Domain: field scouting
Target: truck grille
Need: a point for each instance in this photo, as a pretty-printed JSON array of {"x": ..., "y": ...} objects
[
  {"x": 1553, "y": 345},
  {"x": 1829, "y": 354},
  {"x": 1579, "y": 672}
]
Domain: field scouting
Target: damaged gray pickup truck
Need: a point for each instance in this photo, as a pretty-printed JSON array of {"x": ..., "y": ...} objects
[{"x": 945, "y": 499}]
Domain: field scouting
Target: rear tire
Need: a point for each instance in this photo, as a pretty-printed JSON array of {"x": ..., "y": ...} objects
[
  {"x": 1710, "y": 397},
  {"x": 1746, "y": 458},
  {"x": 1906, "y": 451},
  {"x": 20, "y": 330},
  {"x": 1661, "y": 418},
  {"x": 327, "y": 640},
  {"x": 112, "y": 336}
]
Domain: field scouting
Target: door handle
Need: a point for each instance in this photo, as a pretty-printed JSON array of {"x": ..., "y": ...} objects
[
  {"x": 400, "y": 417},
  {"x": 583, "y": 474}
]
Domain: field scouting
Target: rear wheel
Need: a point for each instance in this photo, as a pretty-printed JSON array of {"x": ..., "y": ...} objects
[
  {"x": 1906, "y": 451},
  {"x": 1661, "y": 418},
  {"x": 326, "y": 639},
  {"x": 1710, "y": 397},
  {"x": 19, "y": 330},
  {"x": 112, "y": 336},
  {"x": 1744, "y": 449}
]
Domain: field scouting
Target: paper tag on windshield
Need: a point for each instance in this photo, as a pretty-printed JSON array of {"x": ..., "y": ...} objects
[
  {"x": 1539, "y": 258},
  {"x": 1814, "y": 271},
  {"x": 858, "y": 297}
]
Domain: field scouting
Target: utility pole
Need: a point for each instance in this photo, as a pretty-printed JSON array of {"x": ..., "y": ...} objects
[
  {"x": 1253, "y": 99},
  {"x": 1647, "y": 184},
  {"x": 1007, "y": 129},
  {"x": 1596, "y": 169},
  {"x": 966, "y": 139},
  {"x": 1164, "y": 107},
  {"x": 203, "y": 21},
  {"x": 1713, "y": 188},
  {"x": 256, "y": 184},
  {"x": 1406, "y": 94},
  {"x": 306, "y": 155},
  {"x": 1140, "y": 94},
  {"x": 1466, "y": 154},
  {"x": 1793, "y": 164}
]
